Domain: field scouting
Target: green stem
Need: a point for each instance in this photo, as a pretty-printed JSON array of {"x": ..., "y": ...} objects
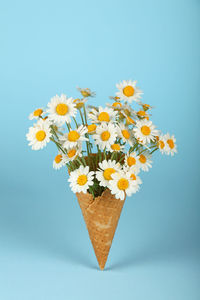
[
  {"x": 104, "y": 152},
  {"x": 57, "y": 144},
  {"x": 68, "y": 126},
  {"x": 91, "y": 191},
  {"x": 54, "y": 132},
  {"x": 75, "y": 122},
  {"x": 81, "y": 116},
  {"x": 85, "y": 115},
  {"x": 153, "y": 151}
]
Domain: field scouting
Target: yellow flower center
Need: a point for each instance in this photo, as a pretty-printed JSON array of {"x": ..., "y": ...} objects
[
  {"x": 91, "y": 127},
  {"x": 107, "y": 173},
  {"x": 71, "y": 153},
  {"x": 161, "y": 144},
  {"x": 58, "y": 158},
  {"x": 146, "y": 106},
  {"x": 123, "y": 184},
  {"x": 38, "y": 112},
  {"x": 142, "y": 159},
  {"x": 73, "y": 136},
  {"x": 82, "y": 179},
  {"x": 62, "y": 109},
  {"x": 145, "y": 130},
  {"x": 85, "y": 93},
  {"x": 125, "y": 134},
  {"x": 104, "y": 117},
  {"x": 105, "y": 136},
  {"x": 40, "y": 135},
  {"x": 127, "y": 112},
  {"x": 115, "y": 147},
  {"x": 131, "y": 161},
  {"x": 128, "y": 91},
  {"x": 129, "y": 120},
  {"x": 170, "y": 142},
  {"x": 133, "y": 177},
  {"x": 115, "y": 104},
  {"x": 141, "y": 113}
]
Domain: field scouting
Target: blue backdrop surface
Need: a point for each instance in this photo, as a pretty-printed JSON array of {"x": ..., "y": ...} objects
[{"x": 50, "y": 47}]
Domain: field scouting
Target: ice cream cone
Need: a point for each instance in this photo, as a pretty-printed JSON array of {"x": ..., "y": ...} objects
[{"x": 101, "y": 216}]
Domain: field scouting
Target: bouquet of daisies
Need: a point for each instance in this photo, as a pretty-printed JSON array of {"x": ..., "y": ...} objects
[{"x": 104, "y": 148}]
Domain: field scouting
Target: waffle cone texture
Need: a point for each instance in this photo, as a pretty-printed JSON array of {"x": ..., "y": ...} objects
[{"x": 101, "y": 216}]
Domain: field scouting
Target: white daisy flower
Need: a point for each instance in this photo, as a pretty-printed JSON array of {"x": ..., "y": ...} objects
[
  {"x": 102, "y": 115},
  {"x": 105, "y": 135},
  {"x": 162, "y": 144},
  {"x": 122, "y": 184},
  {"x": 171, "y": 144},
  {"x": 145, "y": 131},
  {"x": 73, "y": 153},
  {"x": 79, "y": 102},
  {"x": 61, "y": 109},
  {"x": 131, "y": 160},
  {"x": 125, "y": 134},
  {"x": 105, "y": 170},
  {"x": 128, "y": 91},
  {"x": 116, "y": 147},
  {"x": 130, "y": 121},
  {"x": 91, "y": 128},
  {"x": 81, "y": 179},
  {"x": 144, "y": 161},
  {"x": 74, "y": 137},
  {"x": 36, "y": 114},
  {"x": 86, "y": 92},
  {"x": 136, "y": 180},
  {"x": 59, "y": 161},
  {"x": 39, "y": 135},
  {"x": 117, "y": 105}
]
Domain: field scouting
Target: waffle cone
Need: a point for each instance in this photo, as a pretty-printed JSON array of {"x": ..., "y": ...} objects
[{"x": 101, "y": 216}]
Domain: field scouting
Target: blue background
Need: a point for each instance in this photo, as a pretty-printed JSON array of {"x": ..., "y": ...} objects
[{"x": 50, "y": 47}]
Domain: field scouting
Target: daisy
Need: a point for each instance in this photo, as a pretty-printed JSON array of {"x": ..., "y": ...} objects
[
  {"x": 79, "y": 102},
  {"x": 91, "y": 128},
  {"x": 36, "y": 114},
  {"x": 130, "y": 121},
  {"x": 131, "y": 160},
  {"x": 136, "y": 180},
  {"x": 74, "y": 137},
  {"x": 39, "y": 135},
  {"x": 162, "y": 144},
  {"x": 73, "y": 153},
  {"x": 81, "y": 179},
  {"x": 117, "y": 105},
  {"x": 122, "y": 184},
  {"x": 86, "y": 92},
  {"x": 102, "y": 115},
  {"x": 145, "y": 106},
  {"x": 142, "y": 114},
  {"x": 125, "y": 134},
  {"x": 105, "y": 170},
  {"x": 128, "y": 91},
  {"x": 145, "y": 131},
  {"x": 59, "y": 161},
  {"x": 105, "y": 135},
  {"x": 116, "y": 147},
  {"x": 171, "y": 144},
  {"x": 61, "y": 109},
  {"x": 144, "y": 161}
]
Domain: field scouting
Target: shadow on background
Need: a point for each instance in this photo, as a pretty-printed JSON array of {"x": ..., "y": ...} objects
[{"x": 156, "y": 252}]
